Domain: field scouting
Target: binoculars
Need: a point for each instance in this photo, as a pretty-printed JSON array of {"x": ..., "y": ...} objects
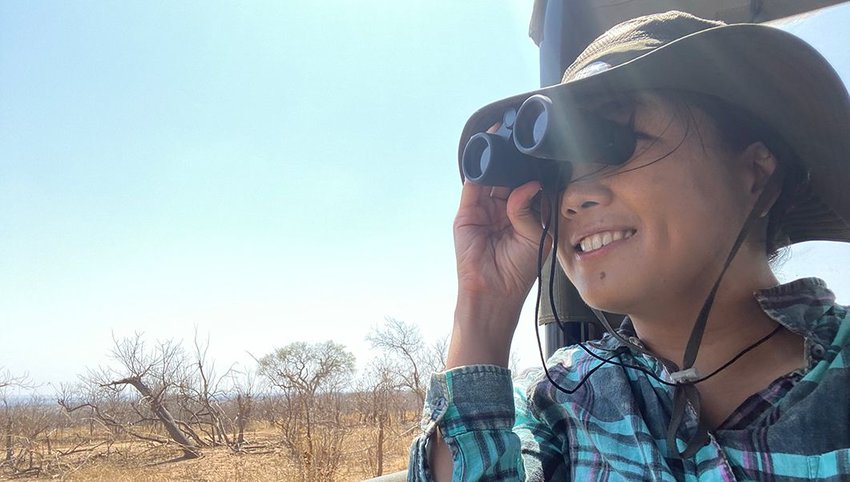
[{"x": 541, "y": 140}]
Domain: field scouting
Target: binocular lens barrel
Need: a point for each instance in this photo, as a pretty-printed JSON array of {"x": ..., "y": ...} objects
[
  {"x": 476, "y": 157},
  {"x": 543, "y": 135},
  {"x": 493, "y": 160},
  {"x": 532, "y": 123}
]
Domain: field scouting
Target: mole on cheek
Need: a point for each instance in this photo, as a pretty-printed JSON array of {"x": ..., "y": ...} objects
[{"x": 601, "y": 275}]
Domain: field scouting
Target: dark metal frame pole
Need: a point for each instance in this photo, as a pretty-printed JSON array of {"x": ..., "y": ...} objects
[{"x": 567, "y": 29}]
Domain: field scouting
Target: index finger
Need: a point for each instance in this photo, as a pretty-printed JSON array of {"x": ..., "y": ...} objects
[{"x": 473, "y": 194}]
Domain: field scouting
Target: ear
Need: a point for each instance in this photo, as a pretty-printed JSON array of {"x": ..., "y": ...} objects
[{"x": 761, "y": 175}]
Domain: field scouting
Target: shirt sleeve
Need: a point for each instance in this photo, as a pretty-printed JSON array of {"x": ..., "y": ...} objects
[{"x": 474, "y": 409}]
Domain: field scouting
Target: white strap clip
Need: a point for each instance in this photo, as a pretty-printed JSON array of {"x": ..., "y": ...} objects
[{"x": 685, "y": 376}]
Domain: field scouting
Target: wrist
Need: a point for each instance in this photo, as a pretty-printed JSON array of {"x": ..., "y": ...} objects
[
  {"x": 482, "y": 332},
  {"x": 488, "y": 308}
]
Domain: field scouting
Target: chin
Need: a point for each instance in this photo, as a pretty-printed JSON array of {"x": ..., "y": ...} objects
[{"x": 605, "y": 298}]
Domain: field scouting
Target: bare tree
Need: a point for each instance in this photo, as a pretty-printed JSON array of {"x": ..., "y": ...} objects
[
  {"x": 415, "y": 361},
  {"x": 102, "y": 407},
  {"x": 201, "y": 395},
  {"x": 245, "y": 386},
  {"x": 154, "y": 374},
  {"x": 307, "y": 375},
  {"x": 9, "y": 384},
  {"x": 28, "y": 422},
  {"x": 378, "y": 393},
  {"x": 33, "y": 421},
  {"x": 435, "y": 361},
  {"x": 7, "y": 379}
]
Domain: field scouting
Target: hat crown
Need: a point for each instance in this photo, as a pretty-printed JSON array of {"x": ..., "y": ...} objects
[{"x": 635, "y": 37}]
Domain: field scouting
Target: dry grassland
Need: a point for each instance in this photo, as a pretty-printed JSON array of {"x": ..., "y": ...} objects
[{"x": 264, "y": 459}]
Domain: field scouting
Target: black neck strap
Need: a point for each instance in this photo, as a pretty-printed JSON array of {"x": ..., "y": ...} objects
[{"x": 685, "y": 392}]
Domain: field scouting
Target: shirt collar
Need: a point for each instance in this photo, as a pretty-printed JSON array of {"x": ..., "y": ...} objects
[{"x": 799, "y": 306}]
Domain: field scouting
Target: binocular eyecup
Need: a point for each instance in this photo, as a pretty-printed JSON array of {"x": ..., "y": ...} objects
[{"x": 540, "y": 141}]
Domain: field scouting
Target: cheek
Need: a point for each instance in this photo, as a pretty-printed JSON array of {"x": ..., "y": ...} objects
[
  {"x": 687, "y": 193},
  {"x": 675, "y": 211}
]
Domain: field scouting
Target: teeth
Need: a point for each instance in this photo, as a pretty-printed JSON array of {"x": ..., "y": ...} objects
[{"x": 598, "y": 240}]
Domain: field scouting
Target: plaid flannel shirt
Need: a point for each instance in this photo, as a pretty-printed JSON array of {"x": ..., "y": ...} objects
[{"x": 614, "y": 427}]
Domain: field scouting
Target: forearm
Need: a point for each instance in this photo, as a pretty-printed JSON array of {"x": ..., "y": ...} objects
[
  {"x": 482, "y": 331},
  {"x": 441, "y": 458}
]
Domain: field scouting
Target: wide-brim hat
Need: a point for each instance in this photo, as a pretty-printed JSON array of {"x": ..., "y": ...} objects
[{"x": 771, "y": 74}]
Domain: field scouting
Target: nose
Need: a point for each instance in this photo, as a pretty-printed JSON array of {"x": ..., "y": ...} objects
[{"x": 584, "y": 194}]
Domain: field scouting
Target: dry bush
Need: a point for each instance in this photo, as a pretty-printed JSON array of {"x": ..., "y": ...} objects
[
  {"x": 309, "y": 378},
  {"x": 100, "y": 456},
  {"x": 303, "y": 416}
]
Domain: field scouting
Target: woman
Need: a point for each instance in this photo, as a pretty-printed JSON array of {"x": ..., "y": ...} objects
[{"x": 740, "y": 136}]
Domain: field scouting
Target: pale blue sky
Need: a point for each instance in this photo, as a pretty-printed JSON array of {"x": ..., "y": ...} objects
[{"x": 268, "y": 171}]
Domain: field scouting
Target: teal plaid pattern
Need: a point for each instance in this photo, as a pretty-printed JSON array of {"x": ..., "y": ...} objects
[{"x": 614, "y": 426}]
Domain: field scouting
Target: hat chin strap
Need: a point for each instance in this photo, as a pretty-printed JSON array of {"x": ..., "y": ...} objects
[{"x": 687, "y": 377}]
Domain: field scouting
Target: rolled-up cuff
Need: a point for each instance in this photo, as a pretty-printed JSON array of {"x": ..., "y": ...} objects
[
  {"x": 462, "y": 400},
  {"x": 470, "y": 398}
]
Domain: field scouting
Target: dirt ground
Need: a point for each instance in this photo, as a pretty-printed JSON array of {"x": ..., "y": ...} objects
[{"x": 264, "y": 460}]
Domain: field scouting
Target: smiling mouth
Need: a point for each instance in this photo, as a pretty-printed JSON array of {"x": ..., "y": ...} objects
[{"x": 598, "y": 240}]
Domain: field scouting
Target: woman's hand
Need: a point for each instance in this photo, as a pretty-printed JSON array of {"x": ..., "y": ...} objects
[{"x": 497, "y": 237}]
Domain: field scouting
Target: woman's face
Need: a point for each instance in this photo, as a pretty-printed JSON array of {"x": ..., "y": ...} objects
[{"x": 660, "y": 226}]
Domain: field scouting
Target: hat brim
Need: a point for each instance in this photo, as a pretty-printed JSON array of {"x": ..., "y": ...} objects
[{"x": 768, "y": 72}]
